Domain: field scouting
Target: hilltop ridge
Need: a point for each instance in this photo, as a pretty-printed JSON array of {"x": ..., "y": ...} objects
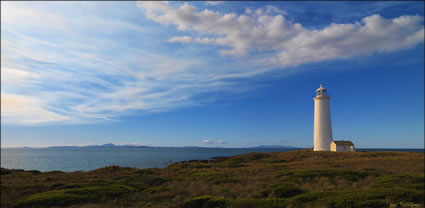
[{"x": 111, "y": 145}]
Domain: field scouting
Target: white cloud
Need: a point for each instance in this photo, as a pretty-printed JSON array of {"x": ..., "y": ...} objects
[
  {"x": 12, "y": 13},
  {"x": 10, "y": 75},
  {"x": 187, "y": 39},
  {"x": 84, "y": 91},
  {"x": 83, "y": 81},
  {"x": 70, "y": 73},
  {"x": 267, "y": 29},
  {"x": 220, "y": 142},
  {"x": 206, "y": 141},
  {"x": 184, "y": 39},
  {"x": 27, "y": 110},
  {"x": 267, "y": 10},
  {"x": 214, "y": 3}
]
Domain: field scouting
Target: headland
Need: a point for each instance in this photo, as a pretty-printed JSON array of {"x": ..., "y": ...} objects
[{"x": 300, "y": 178}]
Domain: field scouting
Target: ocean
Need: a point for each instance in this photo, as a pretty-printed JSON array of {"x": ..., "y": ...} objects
[{"x": 84, "y": 159}]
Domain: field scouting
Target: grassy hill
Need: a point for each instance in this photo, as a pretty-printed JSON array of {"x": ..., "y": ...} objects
[{"x": 258, "y": 180}]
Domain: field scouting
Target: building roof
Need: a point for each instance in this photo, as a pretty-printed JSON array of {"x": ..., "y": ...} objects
[
  {"x": 345, "y": 143},
  {"x": 321, "y": 88}
]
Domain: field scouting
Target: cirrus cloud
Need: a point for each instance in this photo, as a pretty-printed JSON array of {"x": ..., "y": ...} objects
[
  {"x": 57, "y": 69},
  {"x": 93, "y": 76}
]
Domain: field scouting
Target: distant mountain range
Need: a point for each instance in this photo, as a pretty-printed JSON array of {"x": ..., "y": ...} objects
[
  {"x": 110, "y": 145},
  {"x": 276, "y": 147}
]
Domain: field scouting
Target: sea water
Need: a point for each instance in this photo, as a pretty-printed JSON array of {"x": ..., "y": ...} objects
[{"x": 83, "y": 159}]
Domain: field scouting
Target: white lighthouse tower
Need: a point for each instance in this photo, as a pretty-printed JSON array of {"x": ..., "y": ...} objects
[{"x": 322, "y": 121}]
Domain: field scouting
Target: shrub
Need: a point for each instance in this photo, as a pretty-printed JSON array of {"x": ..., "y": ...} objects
[
  {"x": 153, "y": 190},
  {"x": 4, "y": 171},
  {"x": 258, "y": 156},
  {"x": 270, "y": 160},
  {"x": 36, "y": 172},
  {"x": 374, "y": 203},
  {"x": 214, "y": 177},
  {"x": 83, "y": 185},
  {"x": 206, "y": 202},
  {"x": 100, "y": 182},
  {"x": 151, "y": 180},
  {"x": 200, "y": 166},
  {"x": 218, "y": 159},
  {"x": 56, "y": 185},
  {"x": 110, "y": 168},
  {"x": 54, "y": 172},
  {"x": 357, "y": 198},
  {"x": 210, "y": 175},
  {"x": 258, "y": 203},
  {"x": 350, "y": 175},
  {"x": 29, "y": 187},
  {"x": 97, "y": 192},
  {"x": 405, "y": 181},
  {"x": 225, "y": 180},
  {"x": 149, "y": 171},
  {"x": 140, "y": 183},
  {"x": 66, "y": 197},
  {"x": 282, "y": 190},
  {"x": 357, "y": 185},
  {"x": 52, "y": 198},
  {"x": 233, "y": 162},
  {"x": 218, "y": 202},
  {"x": 404, "y": 195}
]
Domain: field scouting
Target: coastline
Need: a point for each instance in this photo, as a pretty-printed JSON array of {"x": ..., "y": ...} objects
[{"x": 71, "y": 159}]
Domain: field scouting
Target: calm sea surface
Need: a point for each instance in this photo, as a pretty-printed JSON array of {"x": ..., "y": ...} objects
[{"x": 73, "y": 159}]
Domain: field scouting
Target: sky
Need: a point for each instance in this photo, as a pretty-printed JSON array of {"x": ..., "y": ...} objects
[{"x": 211, "y": 74}]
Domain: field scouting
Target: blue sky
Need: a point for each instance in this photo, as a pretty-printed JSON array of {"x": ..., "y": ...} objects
[{"x": 227, "y": 74}]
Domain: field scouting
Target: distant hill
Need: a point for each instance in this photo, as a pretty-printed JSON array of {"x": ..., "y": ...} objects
[
  {"x": 276, "y": 147},
  {"x": 109, "y": 145}
]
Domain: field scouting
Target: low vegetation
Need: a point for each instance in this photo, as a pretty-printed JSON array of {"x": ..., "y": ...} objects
[{"x": 257, "y": 180}]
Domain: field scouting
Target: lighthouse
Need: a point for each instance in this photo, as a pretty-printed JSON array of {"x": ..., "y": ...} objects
[{"x": 322, "y": 120}]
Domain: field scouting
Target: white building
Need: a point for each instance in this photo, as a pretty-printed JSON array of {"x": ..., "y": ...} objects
[
  {"x": 342, "y": 146},
  {"x": 322, "y": 121}
]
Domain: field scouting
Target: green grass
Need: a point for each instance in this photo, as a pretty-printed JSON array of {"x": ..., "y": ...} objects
[
  {"x": 406, "y": 181},
  {"x": 268, "y": 160},
  {"x": 232, "y": 162},
  {"x": 206, "y": 202},
  {"x": 66, "y": 197},
  {"x": 257, "y": 180},
  {"x": 350, "y": 175},
  {"x": 258, "y": 203},
  {"x": 355, "y": 199},
  {"x": 55, "y": 198},
  {"x": 214, "y": 177},
  {"x": 358, "y": 198},
  {"x": 282, "y": 190},
  {"x": 153, "y": 190}
]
